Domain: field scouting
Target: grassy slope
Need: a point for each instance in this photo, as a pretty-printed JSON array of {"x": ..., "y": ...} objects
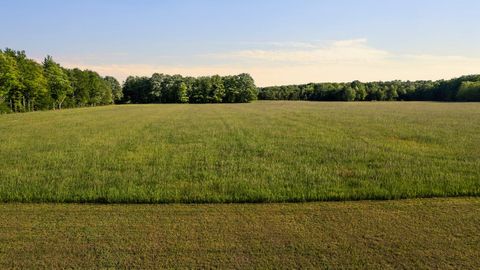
[
  {"x": 414, "y": 234},
  {"x": 264, "y": 151}
]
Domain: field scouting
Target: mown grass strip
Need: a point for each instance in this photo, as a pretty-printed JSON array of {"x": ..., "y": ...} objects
[{"x": 420, "y": 234}]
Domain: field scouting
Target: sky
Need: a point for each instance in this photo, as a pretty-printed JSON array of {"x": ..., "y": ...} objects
[{"x": 276, "y": 41}]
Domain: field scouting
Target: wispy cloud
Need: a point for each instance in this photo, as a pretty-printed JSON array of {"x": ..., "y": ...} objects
[
  {"x": 295, "y": 62},
  {"x": 347, "y": 51}
]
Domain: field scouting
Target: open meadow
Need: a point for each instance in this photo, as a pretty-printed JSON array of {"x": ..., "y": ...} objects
[
  {"x": 259, "y": 152},
  {"x": 202, "y": 134}
]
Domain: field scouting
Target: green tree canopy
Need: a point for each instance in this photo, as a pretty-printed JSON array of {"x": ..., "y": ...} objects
[{"x": 58, "y": 82}]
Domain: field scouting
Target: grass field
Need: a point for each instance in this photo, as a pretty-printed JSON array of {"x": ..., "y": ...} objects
[
  {"x": 404, "y": 234},
  {"x": 258, "y": 152}
]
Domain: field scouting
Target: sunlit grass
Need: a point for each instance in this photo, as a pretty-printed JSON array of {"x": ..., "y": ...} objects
[{"x": 258, "y": 152}]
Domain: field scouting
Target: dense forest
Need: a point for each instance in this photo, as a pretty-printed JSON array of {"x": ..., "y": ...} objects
[
  {"x": 26, "y": 85},
  {"x": 161, "y": 88},
  {"x": 465, "y": 88}
]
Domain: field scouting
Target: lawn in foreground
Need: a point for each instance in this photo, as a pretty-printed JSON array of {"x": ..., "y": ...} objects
[
  {"x": 412, "y": 234},
  {"x": 258, "y": 152}
]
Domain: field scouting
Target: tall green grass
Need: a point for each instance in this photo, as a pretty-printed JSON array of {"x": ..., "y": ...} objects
[{"x": 258, "y": 152}]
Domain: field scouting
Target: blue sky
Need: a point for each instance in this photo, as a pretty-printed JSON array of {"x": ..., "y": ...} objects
[{"x": 278, "y": 42}]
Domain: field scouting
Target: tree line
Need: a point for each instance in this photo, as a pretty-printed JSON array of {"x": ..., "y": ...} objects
[
  {"x": 26, "y": 85},
  {"x": 465, "y": 88},
  {"x": 162, "y": 88}
]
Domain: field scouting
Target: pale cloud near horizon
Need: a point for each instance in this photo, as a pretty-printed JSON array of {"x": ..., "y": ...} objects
[{"x": 296, "y": 62}]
